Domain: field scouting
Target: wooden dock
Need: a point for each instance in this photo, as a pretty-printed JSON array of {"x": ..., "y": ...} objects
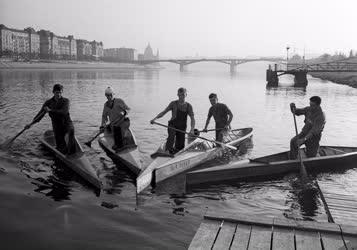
[
  {"x": 341, "y": 202},
  {"x": 231, "y": 231}
]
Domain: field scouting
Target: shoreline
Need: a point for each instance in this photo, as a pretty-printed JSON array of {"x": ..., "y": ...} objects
[
  {"x": 349, "y": 79},
  {"x": 71, "y": 65}
]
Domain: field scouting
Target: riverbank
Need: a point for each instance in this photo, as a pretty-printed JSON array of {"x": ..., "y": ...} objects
[
  {"x": 346, "y": 78},
  {"x": 56, "y": 64}
]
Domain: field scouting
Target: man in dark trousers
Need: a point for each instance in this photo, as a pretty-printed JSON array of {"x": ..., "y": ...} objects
[
  {"x": 114, "y": 111},
  {"x": 58, "y": 109},
  {"x": 180, "y": 110},
  {"x": 221, "y": 114},
  {"x": 310, "y": 134}
]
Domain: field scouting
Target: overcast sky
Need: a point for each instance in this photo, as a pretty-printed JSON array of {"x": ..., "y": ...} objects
[{"x": 196, "y": 27}]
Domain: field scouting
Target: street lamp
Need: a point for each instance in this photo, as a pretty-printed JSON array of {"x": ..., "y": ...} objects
[{"x": 287, "y": 56}]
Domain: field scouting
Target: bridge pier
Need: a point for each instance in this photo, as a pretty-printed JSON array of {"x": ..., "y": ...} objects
[
  {"x": 233, "y": 67},
  {"x": 272, "y": 76},
  {"x": 300, "y": 79},
  {"x": 183, "y": 67}
]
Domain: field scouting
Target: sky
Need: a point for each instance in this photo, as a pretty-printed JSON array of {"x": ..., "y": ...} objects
[{"x": 185, "y": 28}]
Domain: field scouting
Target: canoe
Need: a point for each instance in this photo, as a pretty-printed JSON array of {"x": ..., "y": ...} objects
[
  {"x": 197, "y": 152},
  {"x": 328, "y": 158},
  {"x": 128, "y": 155},
  {"x": 78, "y": 162}
]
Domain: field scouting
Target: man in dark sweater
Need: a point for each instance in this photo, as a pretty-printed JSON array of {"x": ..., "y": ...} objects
[
  {"x": 221, "y": 114},
  {"x": 58, "y": 109},
  {"x": 310, "y": 134}
]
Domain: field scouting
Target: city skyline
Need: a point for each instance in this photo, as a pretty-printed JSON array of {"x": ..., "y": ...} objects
[{"x": 199, "y": 28}]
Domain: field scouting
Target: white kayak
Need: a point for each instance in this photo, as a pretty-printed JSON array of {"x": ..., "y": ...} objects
[
  {"x": 78, "y": 162},
  {"x": 195, "y": 153},
  {"x": 128, "y": 155}
]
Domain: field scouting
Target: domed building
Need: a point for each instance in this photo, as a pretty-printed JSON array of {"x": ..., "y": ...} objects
[{"x": 148, "y": 54}]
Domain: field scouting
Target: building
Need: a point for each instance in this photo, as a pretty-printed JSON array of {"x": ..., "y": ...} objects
[
  {"x": 19, "y": 43},
  {"x": 57, "y": 47},
  {"x": 84, "y": 50},
  {"x": 148, "y": 54},
  {"x": 120, "y": 54},
  {"x": 97, "y": 50}
]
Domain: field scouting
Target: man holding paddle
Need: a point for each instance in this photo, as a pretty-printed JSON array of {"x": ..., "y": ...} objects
[
  {"x": 58, "y": 109},
  {"x": 310, "y": 134},
  {"x": 114, "y": 111},
  {"x": 180, "y": 110},
  {"x": 221, "y": 114}
]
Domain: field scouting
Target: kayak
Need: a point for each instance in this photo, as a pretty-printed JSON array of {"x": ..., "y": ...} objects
[
  {"x": 328, "y": 158},
  {"x": 128, "y": 155},
  {"x": 78, "y": 162},
  {"x": 197, "y": 152}
]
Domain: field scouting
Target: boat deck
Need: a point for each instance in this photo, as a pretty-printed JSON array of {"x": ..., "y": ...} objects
[
  {"x": 231, "y": 231},
  {"x": 341, "y": 202}
]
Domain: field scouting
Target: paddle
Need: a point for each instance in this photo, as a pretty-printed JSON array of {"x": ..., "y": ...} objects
[
  {"x": 303, "y": 172},
  {"x": 89, "y": 143},
  {"x": 217, "y": 142},
  {"x": 7, "y": 143},
  {"x": 209, "y": 130}
]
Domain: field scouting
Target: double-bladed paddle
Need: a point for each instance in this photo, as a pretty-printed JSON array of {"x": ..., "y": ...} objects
[{"x": 217, "y": 142}]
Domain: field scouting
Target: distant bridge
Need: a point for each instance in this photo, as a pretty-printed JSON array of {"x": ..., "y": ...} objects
[
  {"x": 300, "y": 71},
  {"x": 232, "y": 62}
]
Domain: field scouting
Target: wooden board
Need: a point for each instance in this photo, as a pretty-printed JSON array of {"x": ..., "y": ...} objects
[
  {"x": 307, "y": 240},
  {"x": 332, "y": 241},
  {"x": 225, "y": 236},
  {"x": 260, "y": 238},
  {"x": 351, "y": 242},
  {"x": 241, "y": 237},
  {"x": 206, "y": 235},
  {"x": 283, "y": 239}
]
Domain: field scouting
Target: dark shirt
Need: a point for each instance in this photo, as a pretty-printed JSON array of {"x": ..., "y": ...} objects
[
  {"x": 59, "y": 112},
  {"x": 314, "y": 121},
  {"x": 220, "y": 113},
  {"x": 174, "y": 106}
]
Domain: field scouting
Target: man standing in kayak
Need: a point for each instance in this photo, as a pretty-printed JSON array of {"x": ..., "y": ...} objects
[
  {"x": 58, "y": 109},
  {"x": 310, "y": 134},
  {"x": 180, "y": 110},
  {"x": 222, "y": 116},
  {"x": 114, "y": 111}
]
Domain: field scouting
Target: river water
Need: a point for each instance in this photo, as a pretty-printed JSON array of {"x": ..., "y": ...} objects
[{"x": 46, "y": 206}]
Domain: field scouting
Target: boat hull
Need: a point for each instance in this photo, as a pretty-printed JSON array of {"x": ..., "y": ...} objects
[
  {"x": 164, "y": 167},
  {"x": 272, "y": 165},
  {"x": 128, "y": 156},
  {"x": 78, "y": 162}
]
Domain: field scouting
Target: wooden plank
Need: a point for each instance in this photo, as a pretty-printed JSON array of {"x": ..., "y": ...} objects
[
  {"x": 285, "y": 223},
  {"x": 260, "y": 238},
  {"x": 225, "y": 236},
  {"x": 332, "y": 241},
  {"x": 205, "y": 236},
  {"x": 349, "y": 230},
  {"x": 283, "y": 239},
  {"x": 237, "y": 218},
  {"x": 307, "y": 240},
  {"x": 241, "y": 237},
  {"x": 351, "y": 242},
  {"x": 318, "y": 226}
]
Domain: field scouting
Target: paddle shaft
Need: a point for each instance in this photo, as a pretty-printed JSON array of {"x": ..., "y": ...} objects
[
  {"x": 209, "y": 130},
  {"x": 119, "y": 120},
  {"x": 178, "y": 130},
  {"x": 303, "y": 171}
]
